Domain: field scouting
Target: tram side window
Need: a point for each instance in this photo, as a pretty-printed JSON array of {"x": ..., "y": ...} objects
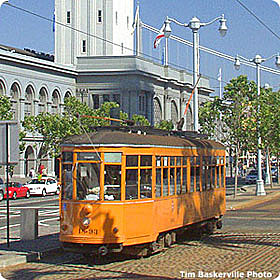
[
  {"x": 172, "y": 181},
  {"x": 88, "y": 181},
  {"x": 132, "y": 161},
  {"x": 213, "y": 169},
  {"x": 158, "y": 182},
  {"x": 193, "y": 174},
  {"x": 131, "y": 190},
  {"x": 184, "y": 188},
  {"x": 146, "y": 160},
  {"x": 112, "y": 183},
  {"x": 165, "y": 182},
  {"x": 197, "y": 179},
  {"x": 222, "y": 176},
  {"x": 209, "y": 183},
  {"x": 145, "y": 183},
  {"x": 67, "y": 182},
  {"x": 218, "y": 176},
  {"x": 178, "y": 180},
  {"x": 184, "y": 175},
  {"x": 204, "y": 174}
]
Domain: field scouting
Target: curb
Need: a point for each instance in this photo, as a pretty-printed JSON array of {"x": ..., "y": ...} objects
[{"x": 16, "y": 258}]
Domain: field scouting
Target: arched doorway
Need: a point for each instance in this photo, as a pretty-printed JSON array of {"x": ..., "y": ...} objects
[
  {"x": 157, "y": 111},
  {"x": 174, "y": 113},
  {"x": 29, "y": 160},
  {"x": 189, "y": 121}
]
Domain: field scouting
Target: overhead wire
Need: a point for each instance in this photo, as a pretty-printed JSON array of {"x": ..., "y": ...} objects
[
  {"x": 148, "y": 27},
  {"x": 258, "y": 19}
]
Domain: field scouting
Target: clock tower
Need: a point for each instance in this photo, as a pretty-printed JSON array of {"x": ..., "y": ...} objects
[{"x": 92, "y": 28}]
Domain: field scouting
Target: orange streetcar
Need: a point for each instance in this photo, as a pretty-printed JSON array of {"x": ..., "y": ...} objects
[{"x": 133, "y": 190}]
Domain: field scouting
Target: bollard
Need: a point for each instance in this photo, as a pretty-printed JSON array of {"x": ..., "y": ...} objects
[{"x": 29, "y": 224}]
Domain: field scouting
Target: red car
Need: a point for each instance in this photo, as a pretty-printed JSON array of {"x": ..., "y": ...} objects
[{"x": 17, "y": 190}]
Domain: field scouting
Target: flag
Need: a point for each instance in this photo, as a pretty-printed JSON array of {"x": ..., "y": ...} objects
[
  {"x": 159, "y": 37},
  {"x": 53, "y": 27},
  {"x": 136, "y": 19},
  {"x": 220, "y": 75}
]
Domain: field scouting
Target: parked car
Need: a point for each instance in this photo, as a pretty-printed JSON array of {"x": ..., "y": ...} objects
[
  {"x": 252, "y": 176},
  {"x": 43, "y": 186},
  {"x": 17, "y": 190},
  {"x": 274, "y": 174}
]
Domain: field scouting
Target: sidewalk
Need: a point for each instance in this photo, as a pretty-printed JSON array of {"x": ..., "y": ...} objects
[
  {"x": 246, "y": 197},
  {"x": 48, "y": 243}
]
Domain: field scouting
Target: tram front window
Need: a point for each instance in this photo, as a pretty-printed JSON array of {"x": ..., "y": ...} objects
[
  {"x": 67, "y": 184},
  {"x": 112, "y": 185},
  {"x": 88, "y": 181},
  {"x": 146, "y": 183}
]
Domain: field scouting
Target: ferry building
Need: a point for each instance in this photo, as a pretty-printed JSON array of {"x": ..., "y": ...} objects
[{"x": 97, "y": 60}]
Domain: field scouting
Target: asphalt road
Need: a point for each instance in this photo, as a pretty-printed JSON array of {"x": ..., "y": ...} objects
[{"x": 47, "y": 216}]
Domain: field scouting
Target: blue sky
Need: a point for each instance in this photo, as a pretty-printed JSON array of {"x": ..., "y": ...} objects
[{"x": 245, "y": 36}]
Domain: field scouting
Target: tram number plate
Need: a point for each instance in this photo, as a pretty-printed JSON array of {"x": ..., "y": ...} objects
[{"x": 88, "y": 231}]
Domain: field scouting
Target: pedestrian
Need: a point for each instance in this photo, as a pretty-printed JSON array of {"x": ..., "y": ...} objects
[
  {"x": 244, "y": 169},
  {"x": 31, "y": 172}
]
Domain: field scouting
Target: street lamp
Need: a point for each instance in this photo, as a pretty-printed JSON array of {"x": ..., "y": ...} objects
[
  {"x": 258, "y": 60},
  {"x": 3, "y": 1},
  {"x": 195, "y": 25}
]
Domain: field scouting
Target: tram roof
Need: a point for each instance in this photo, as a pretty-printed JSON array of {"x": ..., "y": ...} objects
[{"x": 114, "y": 138}]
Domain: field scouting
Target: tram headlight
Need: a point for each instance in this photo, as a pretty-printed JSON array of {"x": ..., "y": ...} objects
[{"x": 86, "y": 221}]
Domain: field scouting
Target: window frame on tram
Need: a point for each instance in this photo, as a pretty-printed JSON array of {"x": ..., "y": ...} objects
[{"x": 144, "y": 176}]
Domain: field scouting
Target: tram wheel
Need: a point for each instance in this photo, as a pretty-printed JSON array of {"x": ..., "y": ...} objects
[
  {"x": 167, "y": 240},
  {"x": 210, "y": 227}
]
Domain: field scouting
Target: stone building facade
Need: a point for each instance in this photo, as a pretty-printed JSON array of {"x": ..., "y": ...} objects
[{"x": 37, "y": 82}]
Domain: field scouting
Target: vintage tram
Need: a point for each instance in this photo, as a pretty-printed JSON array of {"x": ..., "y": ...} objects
[{"x": 134, "y": 190}]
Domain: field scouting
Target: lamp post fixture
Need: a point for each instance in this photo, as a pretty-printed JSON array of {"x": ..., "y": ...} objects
[
  {"x": 195, "y": 25},
  {"x": 258, "y": 60}
]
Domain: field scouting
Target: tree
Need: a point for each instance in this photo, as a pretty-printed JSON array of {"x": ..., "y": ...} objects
[
  {"x": 237, "y": 115},
  {"x": 5, "y": 108},
  {"x": 165, "y": 125},
  {"x": 78, "y": 118},
  {"x": 269, "y": 124}
]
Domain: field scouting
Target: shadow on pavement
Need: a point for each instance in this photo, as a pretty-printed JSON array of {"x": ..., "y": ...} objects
[{"x": 41, "y": 244}]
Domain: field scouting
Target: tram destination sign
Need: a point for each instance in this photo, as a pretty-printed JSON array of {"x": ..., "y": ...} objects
[{"x": 9, "y": 142}]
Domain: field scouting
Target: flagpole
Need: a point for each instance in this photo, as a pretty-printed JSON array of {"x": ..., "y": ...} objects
[
  {"x": 166, "y": 52},
  {"x": 220, "y": 89},
  {"x": 220, "y": 82},
  {"x": 138, "y": 30}
]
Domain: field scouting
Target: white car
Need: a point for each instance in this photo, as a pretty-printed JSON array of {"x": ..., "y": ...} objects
[{"x": 43, "y": 186}]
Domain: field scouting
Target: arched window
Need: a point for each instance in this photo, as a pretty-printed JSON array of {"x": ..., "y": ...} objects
[
  {"x": 43, "y": 97},
  {"x": 15, "y": 94},
  {"x": 157, "y": 111},
  {"x": 2, "y": 88},
  {"x": 174, "y": 113},
  {"x": 55, "y": 101},
  {"x": 29, "y": 96},
  {"x": 67, "y": 94}
]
